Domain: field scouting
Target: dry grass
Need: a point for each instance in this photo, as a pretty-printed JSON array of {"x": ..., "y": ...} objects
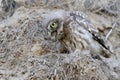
[{"x": 25, "y": 55}]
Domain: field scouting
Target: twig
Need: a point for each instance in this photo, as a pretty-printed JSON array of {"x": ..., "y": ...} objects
[{"x": 113, "y": 27}]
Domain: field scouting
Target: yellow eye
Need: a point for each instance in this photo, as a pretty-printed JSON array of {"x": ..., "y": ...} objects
[{"x": 54, "y": 25}]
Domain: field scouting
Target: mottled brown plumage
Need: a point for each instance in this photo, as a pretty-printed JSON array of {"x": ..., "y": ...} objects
[{"x": 73, "y": 30}]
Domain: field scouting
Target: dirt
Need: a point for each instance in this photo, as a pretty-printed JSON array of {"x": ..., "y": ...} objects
[{"x": 25, "y": 55}]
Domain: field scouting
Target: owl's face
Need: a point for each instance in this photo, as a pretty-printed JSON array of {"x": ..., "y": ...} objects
[
  {"x": 54, "y": 25},
  {"x": 55, "y": 29}
]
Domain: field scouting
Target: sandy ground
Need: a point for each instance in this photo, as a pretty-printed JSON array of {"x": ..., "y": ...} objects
[{"x": 25, "y": 55}]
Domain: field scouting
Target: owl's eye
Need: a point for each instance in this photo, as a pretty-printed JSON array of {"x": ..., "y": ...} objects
[{"x": 54, "y": 25}]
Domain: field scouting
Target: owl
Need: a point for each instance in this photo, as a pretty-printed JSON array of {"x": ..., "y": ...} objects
[{"x": 74, "y": 31}]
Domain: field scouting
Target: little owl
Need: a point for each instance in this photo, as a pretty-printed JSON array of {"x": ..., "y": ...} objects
[{"x": 73, "y": 30}]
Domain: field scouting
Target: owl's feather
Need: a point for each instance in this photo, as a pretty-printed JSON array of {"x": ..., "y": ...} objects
[
  {"x": 77, "y": 31},
  {"x": 93, "y": 31}
]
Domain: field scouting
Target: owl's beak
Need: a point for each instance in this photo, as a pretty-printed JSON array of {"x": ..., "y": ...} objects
[{"x": 52, "y": 36}]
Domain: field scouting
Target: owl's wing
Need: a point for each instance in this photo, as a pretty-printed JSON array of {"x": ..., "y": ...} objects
[
  {"x": 99, "y": 39},
  {"x": 81, "y": 19}
]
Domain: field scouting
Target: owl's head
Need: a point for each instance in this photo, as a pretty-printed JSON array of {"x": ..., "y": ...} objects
[{"x": 54, "y": 25}]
